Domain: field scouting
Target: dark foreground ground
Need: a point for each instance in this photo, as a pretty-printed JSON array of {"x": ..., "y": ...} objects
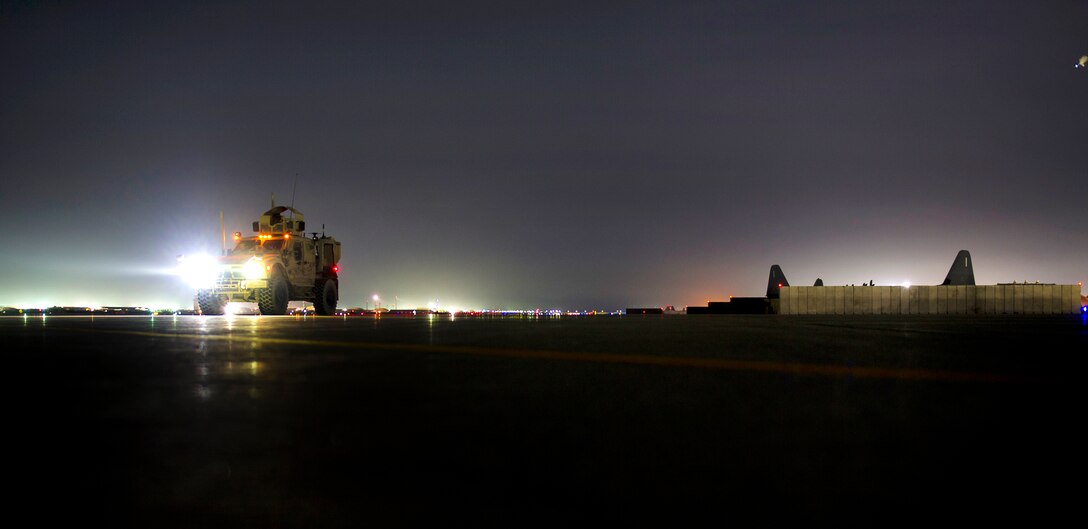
[{"x": 327, "y": 422}]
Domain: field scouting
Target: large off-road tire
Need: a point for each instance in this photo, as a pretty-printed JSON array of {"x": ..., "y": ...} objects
[
  {"x": 325, "y": 296},
  {"x": 273, "y": 300},
  {"x": 210, "y": 303}
]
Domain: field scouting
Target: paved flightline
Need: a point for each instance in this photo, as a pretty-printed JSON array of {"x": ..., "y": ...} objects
[
  {"x": 795, "y": 368},
  {"x": 353, "y": 421}
]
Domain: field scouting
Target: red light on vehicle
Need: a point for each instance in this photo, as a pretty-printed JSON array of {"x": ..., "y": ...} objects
[
  {"x": 335, "y": 268},
  {"x": 780, "y": 285}
]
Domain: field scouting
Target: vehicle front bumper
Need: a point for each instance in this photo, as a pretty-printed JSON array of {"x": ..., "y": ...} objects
[{"x": 237, "y": 286}]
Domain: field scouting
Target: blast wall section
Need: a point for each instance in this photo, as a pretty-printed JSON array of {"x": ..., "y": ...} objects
[{"x": 930, "y": 300}]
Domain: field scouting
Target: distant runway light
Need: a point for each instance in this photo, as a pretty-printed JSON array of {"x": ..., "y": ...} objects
[{"x": 906, "y": 284}]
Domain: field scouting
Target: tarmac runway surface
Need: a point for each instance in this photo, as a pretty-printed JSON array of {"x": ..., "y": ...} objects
[{"x": 344, "y": 422}]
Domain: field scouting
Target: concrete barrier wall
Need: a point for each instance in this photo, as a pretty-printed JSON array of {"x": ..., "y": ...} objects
[
  {"x": 928, "y": 300},
  {"x": 863, "y": 300},
  {"x": 886, "y": 300}
]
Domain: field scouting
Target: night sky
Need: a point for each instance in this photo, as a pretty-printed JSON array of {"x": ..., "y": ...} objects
[{"x": 577, "y": 155}]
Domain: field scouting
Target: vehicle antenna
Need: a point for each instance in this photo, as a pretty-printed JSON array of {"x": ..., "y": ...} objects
[
  {"x": 223, "y": 232},
  {"x": 293, "y": 189},
  {"x": 322, "y": 230},
  {"x": 273, "y": 200}
]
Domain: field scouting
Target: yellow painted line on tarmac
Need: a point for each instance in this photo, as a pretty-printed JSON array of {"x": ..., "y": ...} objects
[{"x": 787, "y": 368}]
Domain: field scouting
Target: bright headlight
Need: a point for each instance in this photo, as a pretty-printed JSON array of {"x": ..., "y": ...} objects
[
  {"x": 200, "y": 270},
  {"x": 253, "y": 269}
]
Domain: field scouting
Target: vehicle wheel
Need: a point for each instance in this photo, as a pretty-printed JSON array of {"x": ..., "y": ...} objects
[
  {"x": 273, "y": 300},
  {"x": 325, "y": 297},
  {"x": 210, "y": 304}
]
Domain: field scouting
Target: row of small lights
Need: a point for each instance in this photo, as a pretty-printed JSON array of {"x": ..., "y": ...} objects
[
  {"x": 263, "y": 236},
  {"x": 549, "y": 312}
]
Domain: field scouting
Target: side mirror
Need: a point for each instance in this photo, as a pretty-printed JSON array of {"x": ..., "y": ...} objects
[
  {"x": 256, "y": 226},
  {"x": 301, "y": 225}
]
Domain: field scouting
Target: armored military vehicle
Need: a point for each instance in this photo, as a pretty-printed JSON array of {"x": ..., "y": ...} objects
[{"x": 277, "y": 265}]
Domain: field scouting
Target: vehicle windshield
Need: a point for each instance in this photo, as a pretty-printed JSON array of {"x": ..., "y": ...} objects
[
  {"x": 254, "y": 246},
  {"x": 245, "y": 246}
]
